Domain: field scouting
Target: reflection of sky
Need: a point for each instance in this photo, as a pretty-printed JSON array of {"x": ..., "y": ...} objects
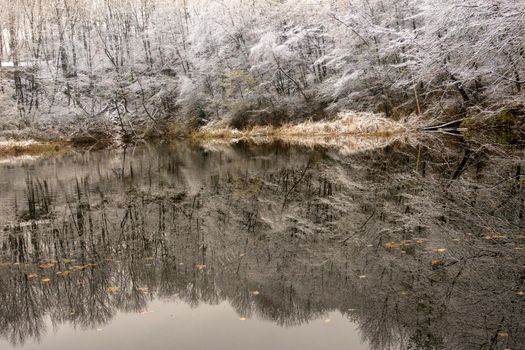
[{"x": 175, "y": 325}]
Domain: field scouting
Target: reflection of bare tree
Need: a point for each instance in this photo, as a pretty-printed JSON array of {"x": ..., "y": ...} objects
[{"x": 421, "y": 246}]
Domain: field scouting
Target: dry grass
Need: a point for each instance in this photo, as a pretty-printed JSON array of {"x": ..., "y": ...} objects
[
  {"x": 362, "y": 124},
  {"x": 350, "y": 133},
  {"x": 29, "y": 148}
]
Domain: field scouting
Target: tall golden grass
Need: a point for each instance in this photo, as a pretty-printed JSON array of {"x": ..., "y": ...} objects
[
  {"x": 349, "y": 133},
  {"x": 363, "y": 124},
  {"x": 23, "y": 148}
]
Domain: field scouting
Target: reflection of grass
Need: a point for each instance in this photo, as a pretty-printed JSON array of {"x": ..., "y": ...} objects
[
  {"x": 356, "y": 124},
  {"x": 22, "y": 148}
]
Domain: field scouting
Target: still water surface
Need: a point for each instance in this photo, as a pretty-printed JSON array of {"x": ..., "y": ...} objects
[{"x": 409, "y": 245}]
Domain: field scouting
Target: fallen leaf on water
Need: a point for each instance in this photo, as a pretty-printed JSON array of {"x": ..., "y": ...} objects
[
  {"x": 63, "y": 273},
  {"x": 45, "y": 280},
  {"x": 440, "y": 250},
  {"x": 362, "y": 276},
  {"x": 369, "y": 245},
  {"x": 32, "y": 275},
  {"x": 81, "y": 267},
  {"x": 392, "y": 245},
  {"x": 520, "y": 293},
  {"x": 113, "y": 290},
  {"x": 67, "y": 261},
  {"x": 143, "y": 289},
  {"x": 242, "y": 319},
  {"x": 46, "y": 266},
  {"x": 255, "y": 292},
  {"x": 503, "y": 334},
  {"x": 436, "y": 262},
  {"x": 200, "y": 267}
]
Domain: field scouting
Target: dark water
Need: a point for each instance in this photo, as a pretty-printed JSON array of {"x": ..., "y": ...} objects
[{"x": 411, "y": 246}]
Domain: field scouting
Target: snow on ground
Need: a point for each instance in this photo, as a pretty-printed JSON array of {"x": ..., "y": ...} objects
[{"x": 14, "y": 143}]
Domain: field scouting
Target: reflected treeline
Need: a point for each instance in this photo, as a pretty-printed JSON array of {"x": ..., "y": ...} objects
[{"x": 421, "y": 246}]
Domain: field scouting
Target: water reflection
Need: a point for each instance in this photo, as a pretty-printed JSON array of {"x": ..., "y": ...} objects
[{"x": 421, "y": 246}]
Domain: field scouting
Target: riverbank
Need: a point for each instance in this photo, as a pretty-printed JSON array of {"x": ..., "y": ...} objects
[
  {"x": 365, "y": 124},
  {"x": 12, "y": 148},
  {"x": 348, "y": 129}
]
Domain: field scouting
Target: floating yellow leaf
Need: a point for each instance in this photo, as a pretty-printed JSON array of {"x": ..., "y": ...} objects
[
  {"x": 392, "y": 245},
  {"x": 80, "y": 267},
  {"x": 46, "y": 265},
  {"x": 113, "y": 290},
  {"x": 439, "y": 250},
  {"x": 436, "y": 262},
  {"x": 45, "y": 280},
  {"x": 200, "y": 267},
  {"x": 67, "y": 261},
  {"x": 32, "y": 275}
]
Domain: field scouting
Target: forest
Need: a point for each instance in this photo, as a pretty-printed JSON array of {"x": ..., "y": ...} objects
[{"x": 139, "y": 68}]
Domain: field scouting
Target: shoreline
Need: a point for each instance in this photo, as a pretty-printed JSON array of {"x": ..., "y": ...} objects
[{"x": 344, "y": 129}]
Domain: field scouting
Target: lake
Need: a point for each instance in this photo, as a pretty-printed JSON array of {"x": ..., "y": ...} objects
[{"x": 410, "y": 244}]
